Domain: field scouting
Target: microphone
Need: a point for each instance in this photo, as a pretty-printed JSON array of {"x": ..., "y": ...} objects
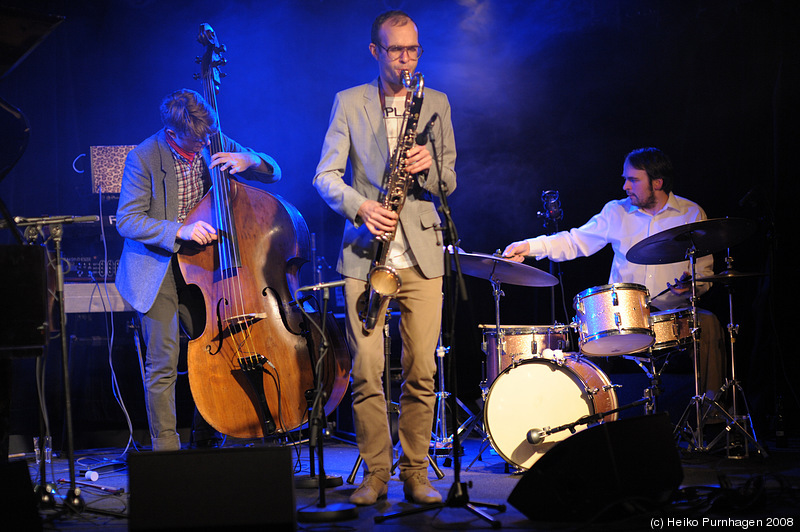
[
  {"x": 552, "y": 205},
  {"x": 535, "y": 436},
  {"x": 747, "y": 198},
  {"x": 321, "y": 286},
  {"x": 422, "y": 138}
]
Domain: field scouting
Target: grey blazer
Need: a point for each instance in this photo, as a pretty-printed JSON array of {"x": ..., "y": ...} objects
[
  {"x": 357, "y": 133},
  {"x": 147, "y": 215}
]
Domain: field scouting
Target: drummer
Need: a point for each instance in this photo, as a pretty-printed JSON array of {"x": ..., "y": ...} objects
[{"x": 650, "y": 207}]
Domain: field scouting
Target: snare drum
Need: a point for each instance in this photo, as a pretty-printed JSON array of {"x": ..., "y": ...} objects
[
  {"x": 543, "y": 394},
  {"x": 672, "y": 328},
  {"x": 614, "y": 319},
  {"x": 518, "y": 343}
]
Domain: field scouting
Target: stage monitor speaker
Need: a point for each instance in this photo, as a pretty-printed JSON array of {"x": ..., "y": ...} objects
[
  {"x": 24, "y": 315},
  {"x": 605, "y": 472},
  {"x": 238, "y": 488},
  {"x": 18, "y": 502}
]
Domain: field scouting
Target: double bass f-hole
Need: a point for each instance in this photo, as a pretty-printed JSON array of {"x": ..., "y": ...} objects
[{"x": 250, "y": 368}]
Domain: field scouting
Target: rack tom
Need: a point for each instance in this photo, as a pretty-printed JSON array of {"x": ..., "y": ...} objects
[
  {"x": 613, "y": 319},
  {"x": 518, "y": 343},
  {"x": 672, "y": 328}
]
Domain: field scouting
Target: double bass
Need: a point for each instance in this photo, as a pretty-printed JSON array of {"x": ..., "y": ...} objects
[{"x": 252, "y": 369}]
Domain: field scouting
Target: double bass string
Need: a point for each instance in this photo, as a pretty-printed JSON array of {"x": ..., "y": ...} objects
[{"x": 233, "y": 309}]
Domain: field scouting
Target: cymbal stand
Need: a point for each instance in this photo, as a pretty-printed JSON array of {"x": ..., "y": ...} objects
[
  {"x": 441, "y": 440},
  {"x": 733, "y": 384},
  {"x": 694, "y": 437},
  {"x": 499, "y": 346},
  {"x": 703, "y": 405}
]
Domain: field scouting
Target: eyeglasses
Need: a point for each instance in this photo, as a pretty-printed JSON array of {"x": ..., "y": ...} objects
[
  {"x": 191, "y": 138},
  {"x": 395, "y": 52}
]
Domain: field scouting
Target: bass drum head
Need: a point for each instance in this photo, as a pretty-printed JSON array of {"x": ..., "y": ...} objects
[{"x": 541, "y": 394}]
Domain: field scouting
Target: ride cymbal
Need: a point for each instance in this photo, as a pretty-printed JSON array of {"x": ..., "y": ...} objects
[{"x": 704, "y": 237}]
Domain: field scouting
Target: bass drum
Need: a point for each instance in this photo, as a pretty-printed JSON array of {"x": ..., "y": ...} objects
[{"x": 541, "y": 394}]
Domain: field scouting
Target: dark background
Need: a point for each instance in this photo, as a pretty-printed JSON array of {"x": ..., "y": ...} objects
[{"x": 545, "y": 95}]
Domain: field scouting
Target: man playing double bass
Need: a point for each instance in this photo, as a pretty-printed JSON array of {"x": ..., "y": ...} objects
[
  {"x": 364, "y": 129},
  {"x": 164, "y": 178}
]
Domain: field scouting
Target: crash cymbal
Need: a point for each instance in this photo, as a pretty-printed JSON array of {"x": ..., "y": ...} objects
[
  {"x": 503, "y": 270},
  {"x": 705, "y": 237},
  {"x": 727, "y": 276}
]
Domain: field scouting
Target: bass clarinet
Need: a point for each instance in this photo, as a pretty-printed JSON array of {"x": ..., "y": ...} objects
[{"x": 384, "y": 283}]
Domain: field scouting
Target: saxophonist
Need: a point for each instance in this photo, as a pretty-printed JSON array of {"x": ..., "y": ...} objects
[{"x": 364, "y": 128}]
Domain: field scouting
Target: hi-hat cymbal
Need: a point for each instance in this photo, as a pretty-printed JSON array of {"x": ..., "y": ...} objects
[
  {"x": 503, "y": 270},
  {"x": 728, "y": 276},
  {"x": 705, "y": 237}
]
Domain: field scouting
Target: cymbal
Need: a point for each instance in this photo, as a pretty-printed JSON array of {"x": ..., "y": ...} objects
[
  {"x": 503, "y": 270},
  {"x": 706, "y": 237},
  {"x": 728, "y": 275}
]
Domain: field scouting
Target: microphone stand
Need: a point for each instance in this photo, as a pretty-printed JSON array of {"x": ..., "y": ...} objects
[
  {"x": 551, "y": 218},
  {"x": 316, "y": 418},
  {"x": 457, "y": 497},
  {"x": 73, "y": 498}
]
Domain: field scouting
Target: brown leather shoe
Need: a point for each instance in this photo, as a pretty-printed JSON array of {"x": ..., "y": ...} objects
[
  {"x": 371, "y": 489},
  {"x": 417, "y": 488}
]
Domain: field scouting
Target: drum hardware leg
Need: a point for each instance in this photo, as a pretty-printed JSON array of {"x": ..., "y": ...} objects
[
  {"x": 654, "y": 390},
  {"x": 484, "y": 446},
  {"x": 441, "y": 441},
  {"x": 735, "y": 387},
  {"x": 704, "y": 406},
  {"x": 693, "y": 436}
]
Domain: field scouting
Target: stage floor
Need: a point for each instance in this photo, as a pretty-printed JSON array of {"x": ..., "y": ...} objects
[{"x": 729, "y": 493}]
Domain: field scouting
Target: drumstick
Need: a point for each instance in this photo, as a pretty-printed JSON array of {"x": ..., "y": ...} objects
[{"x": 664, "y": 291}]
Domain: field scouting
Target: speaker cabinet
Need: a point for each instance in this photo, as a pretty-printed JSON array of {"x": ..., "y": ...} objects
[
  {"x": 604, "y": 472},
  {"x": 18, "y": 502},
  {"x": 24, "y": 317},
  {"x": 238, "y": 488}
]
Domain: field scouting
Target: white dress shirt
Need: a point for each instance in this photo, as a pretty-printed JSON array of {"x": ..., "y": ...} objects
[{"x": 623, "y": 225}]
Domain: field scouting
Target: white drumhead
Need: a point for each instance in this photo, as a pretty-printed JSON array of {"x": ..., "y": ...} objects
[{"x": 536, "y": 394}]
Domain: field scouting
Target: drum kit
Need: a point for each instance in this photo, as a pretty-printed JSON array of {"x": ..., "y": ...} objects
[{"x": 537, "y": 391}]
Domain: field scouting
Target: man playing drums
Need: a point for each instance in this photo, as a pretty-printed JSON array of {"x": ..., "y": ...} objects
[{"x": 650, "y": 207}]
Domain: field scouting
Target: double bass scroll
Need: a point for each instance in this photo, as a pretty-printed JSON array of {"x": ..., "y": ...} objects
[{"x": 250, "y": 368}]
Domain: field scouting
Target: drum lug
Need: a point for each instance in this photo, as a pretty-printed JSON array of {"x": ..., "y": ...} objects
[{"x": 617, "y": 318}]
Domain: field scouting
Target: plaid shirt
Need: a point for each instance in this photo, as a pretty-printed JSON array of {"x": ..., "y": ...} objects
[{"x": 190, "y": 182}]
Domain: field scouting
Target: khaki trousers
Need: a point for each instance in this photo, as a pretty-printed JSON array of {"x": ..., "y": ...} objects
[{"x": 420, "y": 303}]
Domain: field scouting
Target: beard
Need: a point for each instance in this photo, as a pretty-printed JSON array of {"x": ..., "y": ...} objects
[{"x": 648, "y": 201}]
